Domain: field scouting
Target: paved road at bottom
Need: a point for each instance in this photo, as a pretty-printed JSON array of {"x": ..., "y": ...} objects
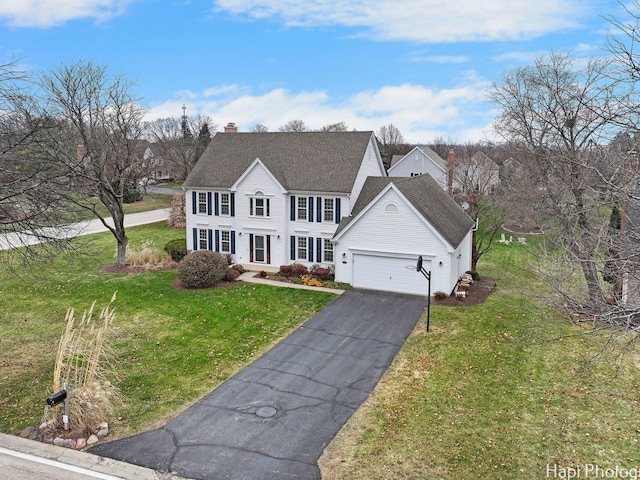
[{"x": 274, "y": 418}]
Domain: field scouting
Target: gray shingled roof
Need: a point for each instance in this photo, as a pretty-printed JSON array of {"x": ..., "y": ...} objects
[
  {"x": 428, "y": 198},
  {"x": 311, "y": 161}
]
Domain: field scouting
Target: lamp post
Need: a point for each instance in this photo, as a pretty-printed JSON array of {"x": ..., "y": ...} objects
[{"x": 427, "y": 275}]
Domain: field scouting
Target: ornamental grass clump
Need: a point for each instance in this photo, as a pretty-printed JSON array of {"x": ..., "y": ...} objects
[
  {"x": 147, "y": 256},
  {"x": 202, "y": 269},
  {"x": 83, "y": 365}
]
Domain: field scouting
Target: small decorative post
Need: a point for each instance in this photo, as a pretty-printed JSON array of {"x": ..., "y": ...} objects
[{"x": 427, "y": 275}]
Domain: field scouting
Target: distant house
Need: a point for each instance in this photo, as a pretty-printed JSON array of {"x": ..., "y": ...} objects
[
  {"x": 271, "y": 199},
  {"x": 419, "y": 161},
  {"x": 151, "y": 161},
  {"x": 479, "y": 174}
]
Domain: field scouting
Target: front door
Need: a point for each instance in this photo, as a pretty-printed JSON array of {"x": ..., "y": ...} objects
[{"x": 260, "y": 248}]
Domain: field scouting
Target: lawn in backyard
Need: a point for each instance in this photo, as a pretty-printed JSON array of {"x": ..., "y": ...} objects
[
  {"x": 170, "y": 346},
  {"x": 492, "y": 392}
]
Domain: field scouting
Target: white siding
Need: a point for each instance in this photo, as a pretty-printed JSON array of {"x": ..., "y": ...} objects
[
  {"x": 371, "y": 166},
  {"x": 417, "y": 162},
  {"x": 401, "y": 234}
]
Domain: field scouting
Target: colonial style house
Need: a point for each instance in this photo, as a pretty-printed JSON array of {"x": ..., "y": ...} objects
[{"x": 271, "y": 199}]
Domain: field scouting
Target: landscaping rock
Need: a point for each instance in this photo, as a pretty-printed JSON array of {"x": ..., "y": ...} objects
[
  {"x": 92, "y": 440},
  {"x": 26, "y": 433},
  {"x": 81, "y": 443}
]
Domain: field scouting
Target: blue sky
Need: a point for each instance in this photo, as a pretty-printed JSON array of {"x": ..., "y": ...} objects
[{"x": 422, "y": 65}]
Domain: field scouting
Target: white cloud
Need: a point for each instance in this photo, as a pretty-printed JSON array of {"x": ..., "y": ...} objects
[
  {"x": 441, "y": 59},
  {"x": 430, "y": 21},
  {"x": 47, "y": 13},
  {"x": 419, "y": 112}
]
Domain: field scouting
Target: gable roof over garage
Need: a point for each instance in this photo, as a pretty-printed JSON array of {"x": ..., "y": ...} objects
[{"x": 426, "y": 196}]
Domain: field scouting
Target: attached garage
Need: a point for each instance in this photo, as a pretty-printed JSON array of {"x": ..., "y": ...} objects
[{"x": 377, "y": 271}]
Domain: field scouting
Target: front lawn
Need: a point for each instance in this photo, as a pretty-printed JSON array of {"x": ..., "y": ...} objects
[
  {"x": 170, "y": 346},
  {"x": 487, "y": 394}
]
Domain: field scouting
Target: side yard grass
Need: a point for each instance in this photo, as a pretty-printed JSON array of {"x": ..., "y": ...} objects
[
  {"x": 169, "y": 346},
  {"x": 486, "y": 394}
]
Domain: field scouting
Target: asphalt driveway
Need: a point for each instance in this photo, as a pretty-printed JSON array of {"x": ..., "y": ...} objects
[{"x": 274, "y": 418}]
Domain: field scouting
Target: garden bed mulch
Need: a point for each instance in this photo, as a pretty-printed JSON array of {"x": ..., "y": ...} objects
[{"x": 478, "y": 292}]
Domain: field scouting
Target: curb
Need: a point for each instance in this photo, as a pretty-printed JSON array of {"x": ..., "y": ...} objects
[{"x": 93, "y": 466}]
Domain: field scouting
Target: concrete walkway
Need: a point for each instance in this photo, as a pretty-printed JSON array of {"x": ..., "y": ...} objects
[
  {"x": 274, "y": 418},
  {"x": 250, "y": 277}
]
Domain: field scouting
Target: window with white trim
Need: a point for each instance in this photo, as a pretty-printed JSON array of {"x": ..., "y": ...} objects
[
  {"x": 302, "y": 208},
  {"x": 225, "y": 204},
  {"x": 202, "y": 202},
  {"x": 301, "y": 248},
  {"x": 225, "y": 241},
  {"x": 259, "y": 206},
  {"x": 327, "y": 251},
  {"x": 203, "y": 239},
  {"x": 329, "y": 209}
]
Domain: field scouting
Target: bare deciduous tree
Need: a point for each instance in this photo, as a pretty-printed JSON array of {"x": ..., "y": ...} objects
[
  {"x": 334, "y": 127},
  {"x": 98, "y": 126},
  {"x": 180, "y": 147},
  {"x": 33, "y": 187},
  {"x": 294, "y": 126},
  {"x": 557, "y": 114},
  {"x": 391, "y": 142}
]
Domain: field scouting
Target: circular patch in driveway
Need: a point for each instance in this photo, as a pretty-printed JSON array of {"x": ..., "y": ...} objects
[{"x": 266, "y": 412}]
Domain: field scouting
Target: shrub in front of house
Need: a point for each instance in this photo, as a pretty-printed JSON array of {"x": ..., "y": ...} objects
[
  {"x": 439, "y": 295},
  {"x": 474, "y": 275},
  {"x": 231, "y": 274},
  {"x": 322, "y": 273},
  {"x": 176, "y": 248},
  {"x": 239, "y": 268},
  {"x": 311, "y": 281},
  {"x": 286, "y": 270},
  {"x": 202, "y": 269},
  {"x": 299, "y": 270}
]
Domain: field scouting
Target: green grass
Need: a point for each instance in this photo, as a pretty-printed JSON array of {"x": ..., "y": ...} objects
[
  {"x": 170, "y": 346},
  {"x": 485, "y": 395}
]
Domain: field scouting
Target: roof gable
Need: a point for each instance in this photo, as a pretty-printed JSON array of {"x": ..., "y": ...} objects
[
  {"x": 426, "y": 197},
  {"x": 256, "y": 164},
  {"x": 423, "y": 151},
  {"x": 308, "y": 161}
]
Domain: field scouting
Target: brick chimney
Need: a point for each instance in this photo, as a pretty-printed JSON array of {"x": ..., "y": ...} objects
[
  {"x": 80, "y": 153},
  {"x": 452, "y": 166},
  {"x": 230, "y": 128}
]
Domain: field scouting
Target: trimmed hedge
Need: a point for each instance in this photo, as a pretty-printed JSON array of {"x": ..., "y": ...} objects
[
  {"x": 202, "y": 269},
  {"x": 177, "y": 249}
]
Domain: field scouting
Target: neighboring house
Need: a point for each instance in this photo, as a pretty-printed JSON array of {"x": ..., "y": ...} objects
[
  {"x": 419, "y": 161},
  {"x": 151, "y": 162},
  {"x": 394, "y": 221},
  {"x": 323, "y": 198},
  {"x": 479, "y": 174},
  {"x": 271, "y": 199}
]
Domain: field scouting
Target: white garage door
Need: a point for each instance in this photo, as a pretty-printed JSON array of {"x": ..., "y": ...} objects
[{"x": 391, "y": 274}]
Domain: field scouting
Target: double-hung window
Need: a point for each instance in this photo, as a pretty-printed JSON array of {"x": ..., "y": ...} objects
[
  {"x": 302, "y": 208},
  {"x": 301, "y": 248},
  {"x": 202, "y": 203},
  {"x": 327, "y": 251},
  {"x": 259, "y": 206},
  {"x": 203, "y": 239},
  {"x": 225, "y": 204},
  {"x": 225, "y": 241},
  {"x": 329, "y": 209}
]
